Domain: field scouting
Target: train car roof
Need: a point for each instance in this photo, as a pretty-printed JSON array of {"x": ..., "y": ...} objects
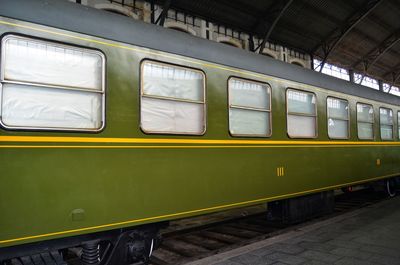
[{"x": 86, "y": 20}]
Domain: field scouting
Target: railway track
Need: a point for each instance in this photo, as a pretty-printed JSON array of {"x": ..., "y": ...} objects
[{"x": 182, "y": 246}]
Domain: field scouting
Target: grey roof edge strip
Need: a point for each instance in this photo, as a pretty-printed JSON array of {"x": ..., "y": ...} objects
[{"x": 89, "y": 21}]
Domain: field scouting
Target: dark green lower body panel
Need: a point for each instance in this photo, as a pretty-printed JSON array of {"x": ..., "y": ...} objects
[{"x": 56, "y": 192}]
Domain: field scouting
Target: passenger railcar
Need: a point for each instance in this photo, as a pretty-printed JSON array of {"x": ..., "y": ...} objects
[{"x": 110, "y": 127}]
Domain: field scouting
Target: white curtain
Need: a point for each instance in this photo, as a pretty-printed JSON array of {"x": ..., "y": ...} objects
[
  {"x": 169, "y": 116},
  {"x": 249, "y": 122},
  {"x": 40, "y": 65},
  {"x": 301, "y": 102},
  {"x": 365, "y": 113},
  {"x": 365, "y": 121},
  {"x": 301, "y": 126},
  {"x": 338, "y": 108},
  {"x": 27, "y": 106},
  {"x": 386, "y": 116},
  {"x": 338, "y": 118},
  {"x": 386, "y": 132},
  {"x": 172, "y": 82},
  {"x": 249, "y": 96},
  {"x": 365, "y": 130},
  {"x": 386, "y": 123},
  {"x": 173, "y": 113},
  {"x": 338, "y": 128},
  {"x": 39, "y": 62}
]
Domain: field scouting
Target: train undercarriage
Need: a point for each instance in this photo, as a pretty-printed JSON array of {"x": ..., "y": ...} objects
[
  {"x": 119, "y": 246},
  {"x": 134, "y": 246}
]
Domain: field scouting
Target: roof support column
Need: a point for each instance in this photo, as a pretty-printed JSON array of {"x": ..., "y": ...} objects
[
  {"x": 312, "y": 61},
  {"x": 152, "y": 18},
  {"x": 161, "y": 19},
  {"x": 380, "y": 84},
  {"x": 351, "y": 75},
  {"x": 251, "y": 43}
]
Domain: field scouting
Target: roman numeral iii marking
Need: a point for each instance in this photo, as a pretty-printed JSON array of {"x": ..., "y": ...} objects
[{"x": 280, "y": 171}]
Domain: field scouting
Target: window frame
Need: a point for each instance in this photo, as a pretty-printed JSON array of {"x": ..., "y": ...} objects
[
  {"x": 373, "y": 121},
  {"x": 250, "y": 108},
  {"x": 301, "y": 114},
  {"x": 55, "y": 43},
  {"x": 380, "y": 125},
  {"x": 398, "y": 125},
  {"x": 142, "y": 94},
  {"x": 328, "y": 117}
]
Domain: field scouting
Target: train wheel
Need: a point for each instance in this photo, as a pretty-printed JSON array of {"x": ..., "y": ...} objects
[{"x": 390, "y": 185}]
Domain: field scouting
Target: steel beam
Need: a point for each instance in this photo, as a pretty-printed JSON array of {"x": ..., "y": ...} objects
[
  {"x": 395, "y": 69},
  {"x": 273, "y": 24},
  {"x": 373, "y": 56},
  {"x": 395, "y": 74},
  {"x": 396, "y": 77},
  {"x": 259, "y": 26},
  {"x": 161, "y": 18},
  {"x": 337, "y": 35}
]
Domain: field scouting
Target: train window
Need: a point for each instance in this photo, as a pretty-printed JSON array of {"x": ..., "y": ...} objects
[
  {"x": 172, "y": 99},
  {"x": 338, "y": 118},
  {"x": 386, "y": 123},
  {"x": 365, "y": 121},
  {"x": 51, "y": 86},
  {"x": 301, "y": 114},
  {"x": 249, "y": 108}
]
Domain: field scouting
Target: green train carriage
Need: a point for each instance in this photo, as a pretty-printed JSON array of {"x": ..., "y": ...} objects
[{"x": 123, "y": 130}]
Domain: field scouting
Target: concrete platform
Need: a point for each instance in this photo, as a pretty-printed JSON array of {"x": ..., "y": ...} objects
[{"x": 370, "y": 235}]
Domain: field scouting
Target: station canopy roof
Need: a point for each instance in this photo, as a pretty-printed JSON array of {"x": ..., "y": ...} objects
[{"x": 362, "y": 35}]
